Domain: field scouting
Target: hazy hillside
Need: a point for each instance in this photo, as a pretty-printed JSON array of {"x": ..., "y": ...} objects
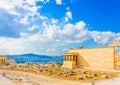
[{"x": 23, "y": 58}]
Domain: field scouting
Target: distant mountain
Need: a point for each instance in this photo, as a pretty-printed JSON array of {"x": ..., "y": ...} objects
[{"x": 23, "y": 58}]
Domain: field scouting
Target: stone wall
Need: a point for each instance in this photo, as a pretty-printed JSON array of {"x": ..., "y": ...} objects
[
  {"x": 102, "y": 57},
  {"x": 69, "y": 64},
  {"x": 117, "y": 61}
]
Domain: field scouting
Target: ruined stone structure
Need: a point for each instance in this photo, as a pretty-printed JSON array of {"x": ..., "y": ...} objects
[
  {"x": 3, "y": 60},
  {"x": 100, "y": 57}
]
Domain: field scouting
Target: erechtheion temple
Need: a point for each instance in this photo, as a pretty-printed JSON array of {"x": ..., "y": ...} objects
[
  {"x": 3, "y": 60},
  {"x": 100, "y": 57}
]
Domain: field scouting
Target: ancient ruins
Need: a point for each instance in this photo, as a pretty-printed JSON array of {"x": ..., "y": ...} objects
[
  {"x": 104, "y": 57},
  {"x": 3, "y": 60}
]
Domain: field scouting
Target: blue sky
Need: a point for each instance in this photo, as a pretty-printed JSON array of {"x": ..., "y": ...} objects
[{"x": 51, "y": 27}]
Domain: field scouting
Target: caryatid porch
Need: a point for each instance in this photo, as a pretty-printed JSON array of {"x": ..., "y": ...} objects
[
  {"x": 3, "y": 60},
  {"x": 70, "y": 60}
]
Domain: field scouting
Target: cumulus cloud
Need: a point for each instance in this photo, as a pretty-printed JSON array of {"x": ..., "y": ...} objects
[
  {"x": 67, "y": 8},
  {"x": 67, "y": 33},
  {"x": 44, "y": 1},
  {"x": 59, "y": 2},
  {"x": 53, "y": 35},
  {"x": 17, "y": 15},
  {"x": 105, "y": 37},
  {"x": 53, "y": 51},
  {"x": 68, "y": 16},
  {"x": 54, "y": 21},
  {"x": 19, "y": 7},
  {"x": 75, "y": 33},
  {"x": 24, "y": 30},
  {"x": 8, "y": 25}
]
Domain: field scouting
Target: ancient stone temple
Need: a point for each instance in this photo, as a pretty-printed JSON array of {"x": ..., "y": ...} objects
[
  {"x": 70, "y": 59},
  {"x": 3, "y": 60},
  {"x": 100, "y": 57}
]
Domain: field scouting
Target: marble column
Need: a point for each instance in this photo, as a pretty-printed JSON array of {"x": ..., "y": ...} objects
[
  {"x": 0, "y": 60},
  {"x": 64, "y": 57},
  {"x": 72, "y": 57},
  {"x": 68, "y": 57},
  {"x": 4, "y": 61},
  {"x": 75, "y": 58}
]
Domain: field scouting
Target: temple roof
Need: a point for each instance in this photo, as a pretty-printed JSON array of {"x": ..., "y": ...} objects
[{"x": 71, "y": 53}]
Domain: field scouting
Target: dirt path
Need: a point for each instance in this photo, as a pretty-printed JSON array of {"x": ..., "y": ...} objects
[
  {"x": 45, "y": 80},
  {"x": 5, "y": 81}
]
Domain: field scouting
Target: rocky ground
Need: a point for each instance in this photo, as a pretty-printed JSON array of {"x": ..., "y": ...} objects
[{"x": 55, "y": 71}]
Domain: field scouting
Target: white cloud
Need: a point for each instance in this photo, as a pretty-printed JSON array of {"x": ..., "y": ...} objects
[
  {"x": 65, "y": 49},
  {"x": 67, "y": 8},
  {"x": 19, "y": 6},
  {"x": 68, "y": 16},
  {"x": 32, "y": 28},
  {"x": 24, "y": 21},
  {"x": 75, "y": 33},
  {"x": 6, "y": 5},
  {"x": 19, "y": 15},
  {"x": 105, "y": 37},
  {"x": 40, "y": 34},
  {"x": 53, "y": 52},
  {"x": 52, "y": 37},
  {"x": 44, "y": 1},
  {"x": 66, "y": 19},
  {"x": 54, "y": 21},
  {"x": 59, "y": 2}
]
